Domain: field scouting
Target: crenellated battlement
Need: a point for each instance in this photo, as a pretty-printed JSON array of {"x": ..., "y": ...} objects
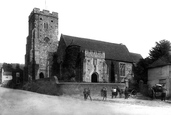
[
  {"x": 43, "y": 12},
  {"x": 94, "y": 54}
]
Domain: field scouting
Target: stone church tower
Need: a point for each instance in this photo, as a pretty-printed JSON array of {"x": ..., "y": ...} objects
[{"x": 41, "y": 43}]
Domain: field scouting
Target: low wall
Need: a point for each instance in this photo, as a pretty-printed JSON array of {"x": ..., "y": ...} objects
[
  {"x": 143, "y": 88},
  {"x": 70, "y": 88}
]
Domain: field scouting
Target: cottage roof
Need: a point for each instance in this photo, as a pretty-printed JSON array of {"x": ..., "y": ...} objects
[
  {"x": 10, "y": 67},
  {"x": 163, "y": 61},
  {"x": 112, "y": 51},
  {"x": 136, "y": 57},
  {"x": 14, "y": 66}
]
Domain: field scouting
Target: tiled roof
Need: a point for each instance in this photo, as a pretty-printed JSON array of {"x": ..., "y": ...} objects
[
  {"x": 136, "y": 57},
  {"x": 11, "y": 67},
  {"x": 160, "y": 62},
  {"x": 14, "y": 65},
  {"x": 112, "y": 51}
]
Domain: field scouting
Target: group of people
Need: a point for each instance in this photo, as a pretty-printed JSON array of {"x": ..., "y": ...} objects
[
  {"x": 163, "y": 93},
  {"x": 115, "y": 91}
]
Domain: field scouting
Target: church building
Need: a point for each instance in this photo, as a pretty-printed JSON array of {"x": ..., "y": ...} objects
[
  {"x": 95, "y": 61},
  {"x": 79, "y": 59}
]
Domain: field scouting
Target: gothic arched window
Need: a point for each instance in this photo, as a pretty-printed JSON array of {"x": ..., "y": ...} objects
[{"x": 122, "y": 69}]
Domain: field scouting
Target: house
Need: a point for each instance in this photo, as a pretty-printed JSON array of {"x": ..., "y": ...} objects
[
  {"x": 18, "y": 75},
  {"x": 94, "y": 61},
  {"x": 159, "y": 72},
  {"x": 11, "y": 75},
  {"x": 6, "y": 75},
  {"x": 135, "y": 58}
]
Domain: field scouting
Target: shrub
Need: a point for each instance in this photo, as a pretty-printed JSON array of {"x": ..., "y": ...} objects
[{"x": 43, "y": 86}]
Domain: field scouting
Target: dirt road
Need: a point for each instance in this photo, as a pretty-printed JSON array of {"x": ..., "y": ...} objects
[{"x": 16, "y": 102}]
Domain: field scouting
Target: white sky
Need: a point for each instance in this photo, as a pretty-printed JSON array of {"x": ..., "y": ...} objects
[{"x": 136, "y": 23}]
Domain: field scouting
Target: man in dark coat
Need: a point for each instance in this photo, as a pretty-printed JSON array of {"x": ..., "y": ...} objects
[
  {"x": 89, "y": 94},
  {"x": 118, "y": 91},
  {"x": 152, "y": 93},
  {"x": 104, "y": 93},
  {"x": 126, "y": 93},
  {"x": 114, "y": 92},
  {"x": 163, "y": 94},
  {"x": 85, "y": 93}
]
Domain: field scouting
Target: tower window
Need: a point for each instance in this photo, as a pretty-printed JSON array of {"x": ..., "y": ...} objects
[
  {"x": 46, "y": 26},
  {"x": 46, "y": 39},
  {"x": 51, "y": 20}
]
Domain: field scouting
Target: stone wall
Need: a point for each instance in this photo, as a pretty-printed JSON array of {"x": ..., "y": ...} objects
[{"x": 69, "y": 88}]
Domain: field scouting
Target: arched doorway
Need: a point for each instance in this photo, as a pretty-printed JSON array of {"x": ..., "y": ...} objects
[
  {"x": 94, "y": 77},
  {"x": 41, "y": 75}
]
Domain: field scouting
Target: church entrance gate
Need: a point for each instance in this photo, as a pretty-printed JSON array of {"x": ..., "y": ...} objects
[
  {"x": 41, "y": 75},
  {"x": 94, "y": 77}
]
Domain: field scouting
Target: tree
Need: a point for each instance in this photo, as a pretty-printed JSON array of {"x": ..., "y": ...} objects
[
  {"x": 7, "y": 67},
  {"x": 55, "y": 65},
  {"x": 141, "y": 70},
  {"x": 161, "y": 49},
  {"x": 70, "y": 62}
]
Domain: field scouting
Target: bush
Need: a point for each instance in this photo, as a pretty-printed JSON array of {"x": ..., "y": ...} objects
[{"x": 43, "y": 86}]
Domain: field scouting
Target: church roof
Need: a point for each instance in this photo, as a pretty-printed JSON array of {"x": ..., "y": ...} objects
[
  {"x": 112, "y": 51},
  {"x": 136, "y": 57}
]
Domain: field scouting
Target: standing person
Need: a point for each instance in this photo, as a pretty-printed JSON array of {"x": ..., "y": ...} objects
[
  {"x": 105, "y": 93},
  {"x": 152, "y": 93},
  {"x": 126, "y": 93},
  {"x": 102, "y": 93},
  {"x": 118, "y": 91},
  {"x": 88, "y": 94},
  {"x": 163, "y": 95},
  {"x": 85, "y": 94},
  {"x": 114, "y": 92}
]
